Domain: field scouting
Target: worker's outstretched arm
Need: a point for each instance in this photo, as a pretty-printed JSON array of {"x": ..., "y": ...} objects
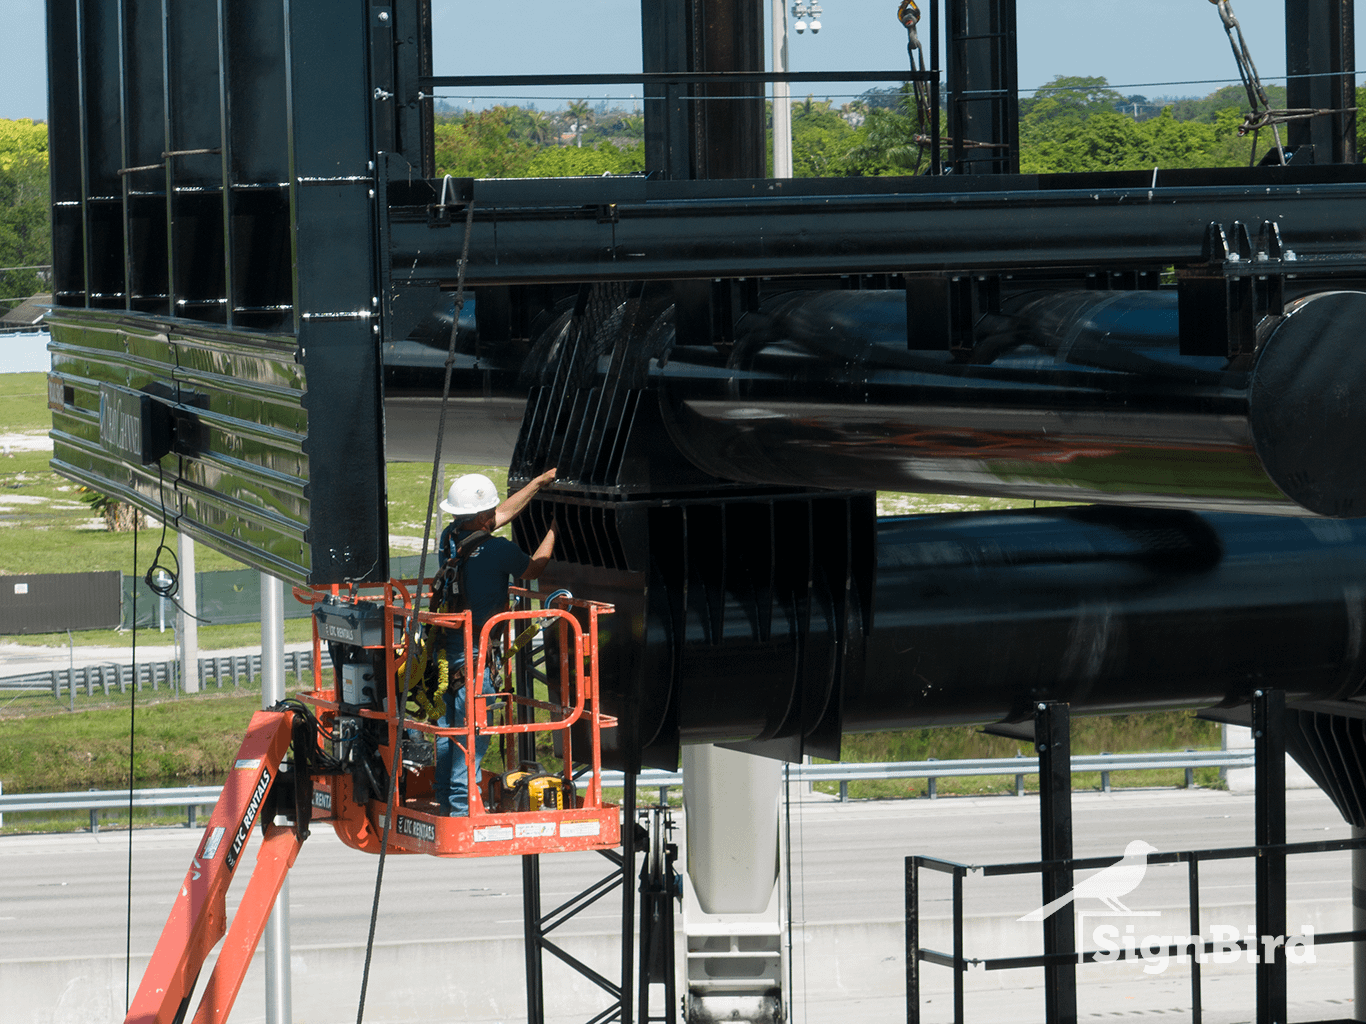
[
  {"x": 541, "y": 556},
  {"x": 509, "y": 509}
]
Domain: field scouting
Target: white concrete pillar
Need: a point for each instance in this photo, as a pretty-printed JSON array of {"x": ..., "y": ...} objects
[
  {"x": 278, "y": 1009},
  {"x": 188, "y": 625}
]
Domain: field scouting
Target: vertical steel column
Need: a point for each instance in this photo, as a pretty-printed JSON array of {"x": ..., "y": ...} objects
[
  {"x": 912, "y": 940},
  {"x": 225, "y": 137},
  {"x": 1053, "y": 741},
  {"x": 1359, "y": 924},
  {"x": 335, "y": 291},
  {"x": 704, "y": 131},
  {"x": 188, "y": 624},
  {"x": 666, "y": 45},
  {"x": 1320, "y": 60},
  {"x": 983, "y": 83},
  {"x": 531, "y": 936},
  {"x": 278, "y": 1010},
  {"x": 628, "y": 897},
  {"x": 1268, "y": 738},
  {"x": 936, "y": 97},
  {"x": 525, "y": 750}
]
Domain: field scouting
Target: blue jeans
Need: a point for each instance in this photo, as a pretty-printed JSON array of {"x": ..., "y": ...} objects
[{"x": 452, "y": 779}]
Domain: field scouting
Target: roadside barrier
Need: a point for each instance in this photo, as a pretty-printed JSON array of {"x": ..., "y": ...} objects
[{"x": 194, "y": 797}]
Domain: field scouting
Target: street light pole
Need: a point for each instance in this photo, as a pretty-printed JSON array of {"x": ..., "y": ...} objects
[{"x": 782, "y": 96}]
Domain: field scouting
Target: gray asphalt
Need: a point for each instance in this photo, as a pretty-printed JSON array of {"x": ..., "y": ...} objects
[{"x": 66, "y": 895}]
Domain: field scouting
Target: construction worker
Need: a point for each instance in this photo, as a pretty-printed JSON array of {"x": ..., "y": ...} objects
[{"x": 489, "y": 564}]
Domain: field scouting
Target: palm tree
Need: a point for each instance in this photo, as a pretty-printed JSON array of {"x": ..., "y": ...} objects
[
  {"x": 582, "y": 114},
  {"x": 540, "y": 127}
]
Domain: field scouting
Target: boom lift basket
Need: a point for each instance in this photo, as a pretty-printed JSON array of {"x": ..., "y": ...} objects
[{"x": 366, "y": 630}]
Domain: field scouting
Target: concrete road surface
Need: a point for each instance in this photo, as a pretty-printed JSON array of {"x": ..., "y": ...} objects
[{"x": 64, "y": 899}]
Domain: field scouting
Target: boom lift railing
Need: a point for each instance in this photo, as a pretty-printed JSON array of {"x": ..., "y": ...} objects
[{"x": 366, "y": 630}]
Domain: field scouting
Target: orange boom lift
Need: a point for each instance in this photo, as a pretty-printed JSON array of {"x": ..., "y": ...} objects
[{"x": 333, "y": 754}]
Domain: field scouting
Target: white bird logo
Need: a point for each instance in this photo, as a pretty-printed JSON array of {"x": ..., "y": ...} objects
[{"x": 1107, "y": 884}]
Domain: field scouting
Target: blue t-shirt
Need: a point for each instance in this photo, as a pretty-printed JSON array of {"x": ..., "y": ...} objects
[{"x": 488, "y": 571}]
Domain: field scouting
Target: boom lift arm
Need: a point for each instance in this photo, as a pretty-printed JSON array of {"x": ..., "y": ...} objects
[{"x": 198, "y": 919}]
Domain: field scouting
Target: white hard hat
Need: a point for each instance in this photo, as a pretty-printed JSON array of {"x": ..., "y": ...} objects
[{"x": 469, "y": 495}]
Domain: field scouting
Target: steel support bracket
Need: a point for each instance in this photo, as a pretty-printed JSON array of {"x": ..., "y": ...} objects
[
  {"x": 1228, "y": 303},
  {"x": 945, "y": 309}
]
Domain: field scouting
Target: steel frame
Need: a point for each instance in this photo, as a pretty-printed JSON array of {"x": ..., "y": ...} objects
[
  {"x": 1061, "y": 955},
  {"x": 265, "y": 232}
]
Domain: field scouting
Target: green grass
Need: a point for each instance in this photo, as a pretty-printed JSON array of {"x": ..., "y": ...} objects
[
  {"x": 897, "y": 503},
  {"x": 211, "y": 638},
  {"x": 1170, "y": 730},
  {"x": 23, "y": 403},
  {"x": 180, "y": 739},
  {"x": 409, "y": 489}
]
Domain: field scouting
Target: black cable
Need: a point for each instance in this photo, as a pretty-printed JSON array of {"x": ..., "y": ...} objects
[
  {"x": 171, "y": 587},
  {"x": 132, "y": 731},
  {"x": 172, "y": 576},
  {"x": 402, "y": 699}
]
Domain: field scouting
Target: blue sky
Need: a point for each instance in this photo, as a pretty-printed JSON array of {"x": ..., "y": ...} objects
[{"x": 1131, "y": 44}]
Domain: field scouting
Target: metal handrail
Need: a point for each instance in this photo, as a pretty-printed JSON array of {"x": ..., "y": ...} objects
[{"x": 657, "y": 779}]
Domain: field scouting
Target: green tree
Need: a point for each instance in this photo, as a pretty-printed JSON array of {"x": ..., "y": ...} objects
[
  {"x": 480, "y": 144},
  {"x": 540, "y": 128},
  {"x": 1109, "y": 141},
  {"x": 820, "y": 140},
  {"x": 582, "y": 113},
  {"x": 885, "y": 143},
  {"x": 1361, "y": 124},
  {"x": 25, "y": 216},
  {"x": 1068, "y": 97},
  {"x": 571, "y": 161}
]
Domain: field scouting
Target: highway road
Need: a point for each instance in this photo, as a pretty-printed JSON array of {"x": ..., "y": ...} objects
[{"x": 65, "y": 895}]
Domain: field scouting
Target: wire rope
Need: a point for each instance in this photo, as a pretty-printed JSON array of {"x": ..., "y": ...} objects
[{"x": 411, "y": 630}]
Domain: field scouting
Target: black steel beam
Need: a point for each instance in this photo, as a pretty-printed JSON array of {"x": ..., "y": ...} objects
[
  {"x": 622, "y": 230},
  {"x": 1320, "y": 60},
  {"x": 656, "y": 78},
  {"x": 532, "y": 934},
  {"x": 1053, "y": 741},
  {"x": 983, "y": 93},
  {"x": 1268, "y": 737}
]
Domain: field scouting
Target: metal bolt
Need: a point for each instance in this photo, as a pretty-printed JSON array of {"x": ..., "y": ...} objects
[
  {"x": 1043, "y": 746},
  {"x": 1256, "y": 693},
  {"x": 383, "y": 15},
  {"x": 1258, "y": 734},
  {"x": 1043, "y": 707}
]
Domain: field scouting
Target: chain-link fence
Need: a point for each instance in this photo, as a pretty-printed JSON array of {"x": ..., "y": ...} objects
[{"x": 229, "y": 596}]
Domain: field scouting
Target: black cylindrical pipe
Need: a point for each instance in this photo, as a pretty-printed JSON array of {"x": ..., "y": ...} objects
[
  {"x": 1071, "y": 396},
  {"x": 769, "y": 625},
  {"x": 978, "y": 616}
]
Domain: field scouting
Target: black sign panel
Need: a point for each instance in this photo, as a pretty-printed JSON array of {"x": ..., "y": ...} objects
[
  {"x": 134, "y": 425},
  {"x": 51, "y": 602}
]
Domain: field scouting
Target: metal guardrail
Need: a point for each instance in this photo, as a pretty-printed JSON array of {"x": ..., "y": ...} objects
[
  {"x": 212, "y": 669},
  {"x": 96, "y": 800},
  {"x": 193, "y": 797},
  {"x": 845, "y": 773}
]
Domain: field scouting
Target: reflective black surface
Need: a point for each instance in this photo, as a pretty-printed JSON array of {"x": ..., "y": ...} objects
[
  {"x": 1071, "y": 396},
  {"x": 977, "y": 616}
]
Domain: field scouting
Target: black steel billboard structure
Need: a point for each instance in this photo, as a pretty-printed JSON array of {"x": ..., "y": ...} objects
[{"x": 251, "y": 251}]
